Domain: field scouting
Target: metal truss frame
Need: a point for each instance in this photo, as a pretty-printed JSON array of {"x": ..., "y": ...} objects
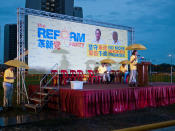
[
  {"x": 21, "y": 37},
  {"x": 20, "y": 51}
]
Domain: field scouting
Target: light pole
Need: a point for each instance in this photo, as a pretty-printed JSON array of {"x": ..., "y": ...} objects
[
  {"x": 0, "y": 66},
  {"x": 170, "y": 55},
  {"x": 150, "y": 71}
]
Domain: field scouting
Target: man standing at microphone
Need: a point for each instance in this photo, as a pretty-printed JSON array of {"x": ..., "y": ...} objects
[{"x": 133, "y": 69}]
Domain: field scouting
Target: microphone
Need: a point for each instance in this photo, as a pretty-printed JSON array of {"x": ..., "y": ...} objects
[
  {"x": 138, "y": 56},
  {"x": 142, "y": 58}
]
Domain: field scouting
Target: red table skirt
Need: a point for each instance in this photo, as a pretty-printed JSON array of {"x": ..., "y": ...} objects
[{"x": 88, "y": 103}]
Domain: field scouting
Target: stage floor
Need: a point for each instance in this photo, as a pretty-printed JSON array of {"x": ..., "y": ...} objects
[{"x": 117, "y": 85}]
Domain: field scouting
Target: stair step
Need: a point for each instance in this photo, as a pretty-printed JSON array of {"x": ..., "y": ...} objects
[
  {"x": 42, "y": 93},
  {"x": 33, "y": 106},
  {"x": 52, "y": 88},
  {"x": 35, "y": 99}
]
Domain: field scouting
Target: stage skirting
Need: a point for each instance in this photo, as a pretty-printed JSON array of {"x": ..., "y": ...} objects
[{"x": 92, "y": 102}]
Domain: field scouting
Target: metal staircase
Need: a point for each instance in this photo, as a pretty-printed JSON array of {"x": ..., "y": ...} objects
[{"x": 39, "y": 99}]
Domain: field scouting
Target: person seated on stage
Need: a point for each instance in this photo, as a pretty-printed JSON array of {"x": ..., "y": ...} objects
[
  {"x": 108, "y": 67},
  {"x": 96, "y": 68},
  {"x": 123, "y": 72},
  {"x": 102, "y": 71}
]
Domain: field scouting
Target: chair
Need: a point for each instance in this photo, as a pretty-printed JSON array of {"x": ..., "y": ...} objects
[
  {"x": 96, "y": 71},
  {"x": 64, "y": 77},
  {"x": 118, "y": 78},
  {"x": 113, "y": 75},
  {"x": 124, "y": 78},
  {"x": 80, "y": 75},
  {"x": 127, "y": 79},
  {"x": 73, "y": 75},
  {"x": 55, "y": 78},
  {"x": 99, "y": 78},
  {"x": 92, "y": 76}
]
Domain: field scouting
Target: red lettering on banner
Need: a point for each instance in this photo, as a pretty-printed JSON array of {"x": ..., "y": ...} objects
[
  {"x": 122, "y": 51},
  {"x": 100, "y": 47},
  {"x": 95, "y": 53},
  {"x": 57, "y": 45},
  {"x": 91, "y": 52},
  {"x": 76, "y": 44},
  {"x": 104, "y": 47},
  {"x": 117, "y": 51},
  {"x": 41, "y": 25},
  {"x": 110, "y": 51}
]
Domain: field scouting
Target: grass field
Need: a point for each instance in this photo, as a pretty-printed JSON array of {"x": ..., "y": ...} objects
[{"x": 161, "y": 77}]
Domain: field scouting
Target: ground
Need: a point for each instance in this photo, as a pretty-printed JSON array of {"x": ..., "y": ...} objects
[{"x": 66, "y": 122}]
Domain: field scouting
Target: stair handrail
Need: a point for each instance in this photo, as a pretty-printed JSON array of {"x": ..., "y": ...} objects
[
  {"x": 48, "y": 81},
  {"x": 41, "y": 98},
  {"x": 48, "y": 94},
  {"x": 47, "y": 74}
]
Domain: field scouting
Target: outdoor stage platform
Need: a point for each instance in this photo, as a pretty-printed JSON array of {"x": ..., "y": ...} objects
[{"x": 100, "y": 99}]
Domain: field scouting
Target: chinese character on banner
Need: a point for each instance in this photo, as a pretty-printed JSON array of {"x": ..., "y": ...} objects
[
  {"x": 57, "y": 45},
  {"x": 91, "y": 52},
  {"x": 100, "y": 53},
  {"x": 111, "y": 47},
  {"x": 95, "y": 47},
  {"x": 100, "y": 47},
  {"x": 90, "y": 47},
  {"x": 49, "y": 44},
  {"x": 41, "y": 43},
  {"x": 95, "y": 53},
  {"x": 105, "y": 53},
  {"x": 105, "y": 47}
]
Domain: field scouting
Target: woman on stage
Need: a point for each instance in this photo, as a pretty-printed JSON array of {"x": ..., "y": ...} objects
[{"x": 133, "y": 69}]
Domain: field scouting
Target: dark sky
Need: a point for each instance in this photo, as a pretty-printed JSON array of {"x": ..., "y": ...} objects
[{"x": 153, "y": 21}]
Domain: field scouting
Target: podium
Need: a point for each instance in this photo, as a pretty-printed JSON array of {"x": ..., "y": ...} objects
[{"x": 142, "y": 69}]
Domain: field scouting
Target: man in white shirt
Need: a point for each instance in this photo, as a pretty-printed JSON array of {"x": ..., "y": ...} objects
[
  {"x": 108, "y": 67},
  {"x": 98, "y": 37},
  {"x": 102, "y": 71},
  {"x": 115, "y": 38}
]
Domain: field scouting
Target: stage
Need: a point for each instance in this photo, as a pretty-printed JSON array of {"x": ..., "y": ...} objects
[{"x": 100, "y": 99}]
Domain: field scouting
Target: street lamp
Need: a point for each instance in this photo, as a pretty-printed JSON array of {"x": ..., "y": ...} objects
[
  {"x": 170, "y": 55},
  {"x": 150, "y": 71}
]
